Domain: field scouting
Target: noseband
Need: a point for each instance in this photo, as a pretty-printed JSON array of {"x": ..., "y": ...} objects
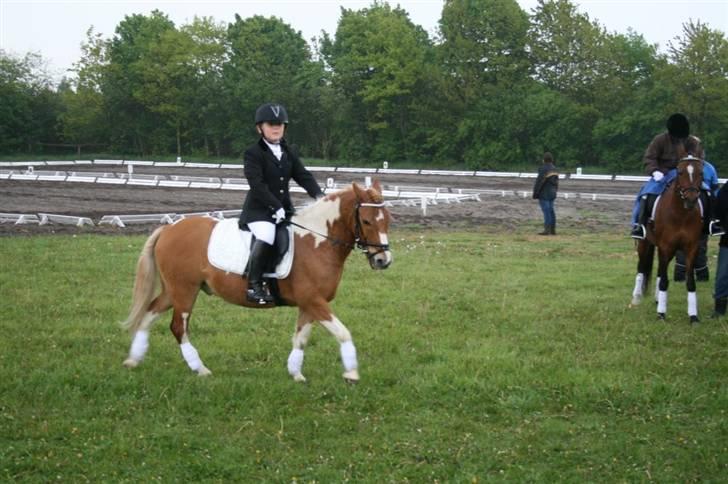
[{"x": 361, "y": 243}]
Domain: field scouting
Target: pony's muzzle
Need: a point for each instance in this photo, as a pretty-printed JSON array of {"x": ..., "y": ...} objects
[{"x": 381, "y": 260}]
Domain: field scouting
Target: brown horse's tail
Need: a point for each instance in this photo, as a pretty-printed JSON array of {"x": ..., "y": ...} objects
[{"x": 144, "y": 283}]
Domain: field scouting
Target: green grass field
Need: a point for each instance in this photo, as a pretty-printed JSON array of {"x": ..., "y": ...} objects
[{"x": 484, "y": 357}]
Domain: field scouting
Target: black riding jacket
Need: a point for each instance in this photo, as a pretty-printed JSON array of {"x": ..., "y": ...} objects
[{"x": 268, "y": 179}]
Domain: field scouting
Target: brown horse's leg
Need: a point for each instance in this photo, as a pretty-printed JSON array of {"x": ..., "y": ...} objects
[
  {"x": 140, "y": 343},
  {"x": 645, "y": 254},
  {"x": 300, "y": 338},
  {"x": 690, "y": 256},
  {"x": 665, "y": 256},
  {"x": 183, "y": 301}
]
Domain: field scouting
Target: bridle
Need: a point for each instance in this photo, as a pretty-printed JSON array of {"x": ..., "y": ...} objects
[
  {"x": 359, "y": 241},
  {"x": 685, "y": 191}
]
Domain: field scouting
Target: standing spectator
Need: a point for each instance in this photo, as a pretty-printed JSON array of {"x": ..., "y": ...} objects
[
  {"x": 544, "y": 190},
  {"x": 721, "y": 273}
]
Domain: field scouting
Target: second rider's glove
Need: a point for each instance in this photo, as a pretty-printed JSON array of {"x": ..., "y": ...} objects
[{"x": 657, "y": 175}]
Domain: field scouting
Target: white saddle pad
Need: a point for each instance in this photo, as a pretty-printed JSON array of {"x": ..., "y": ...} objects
[{"x": 229, "y": 249}]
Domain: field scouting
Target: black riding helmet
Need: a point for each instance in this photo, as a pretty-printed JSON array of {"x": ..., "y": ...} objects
[
  {"x": 271, "y": 113},
  {"x": 678, "y": 125}
]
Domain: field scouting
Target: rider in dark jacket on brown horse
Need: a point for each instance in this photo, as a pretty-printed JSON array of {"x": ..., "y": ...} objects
[{"x": 269, "y": 166}]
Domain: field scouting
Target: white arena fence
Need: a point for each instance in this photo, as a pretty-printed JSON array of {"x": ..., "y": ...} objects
[{"x": 395, "y": 195}]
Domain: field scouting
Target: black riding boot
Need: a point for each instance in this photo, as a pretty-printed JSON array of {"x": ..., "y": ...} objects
[
  {"x": 721, "y": 303},
  {"x": 552, "y": 229},
  {"x": 546, "y": 230},
  {"x": 639, "y": 230},
  {"x": 259, "y": 260}
]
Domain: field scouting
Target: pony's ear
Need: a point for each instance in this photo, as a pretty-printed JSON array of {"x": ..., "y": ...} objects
[
  {"x": 377, "y": 186},
  {"x": 361, "y": 193}
]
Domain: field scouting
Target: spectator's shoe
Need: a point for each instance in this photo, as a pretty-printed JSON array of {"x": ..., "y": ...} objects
[
  {"x": 720, "y": 307},
  {"x": 638, "y": 232}
]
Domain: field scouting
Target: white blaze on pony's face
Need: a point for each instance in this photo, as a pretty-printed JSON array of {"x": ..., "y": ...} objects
[{"x": 691, "y": 170}]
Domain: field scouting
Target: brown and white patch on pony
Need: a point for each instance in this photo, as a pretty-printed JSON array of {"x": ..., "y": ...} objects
[{"x": 317, "y": 218}]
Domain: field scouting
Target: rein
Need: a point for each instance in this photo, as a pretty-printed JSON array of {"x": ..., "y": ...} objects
[{"x": 358, "y": 241}]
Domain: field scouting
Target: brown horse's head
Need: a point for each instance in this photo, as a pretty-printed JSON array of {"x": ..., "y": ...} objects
[
  {"x": 688, "y": 181},
  {"x": 371, "y": 225}
]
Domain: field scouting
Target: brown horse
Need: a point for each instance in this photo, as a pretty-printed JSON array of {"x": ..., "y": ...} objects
[
  {"x": 676, "y": 225},
  {"x": 325, "y": 234}
]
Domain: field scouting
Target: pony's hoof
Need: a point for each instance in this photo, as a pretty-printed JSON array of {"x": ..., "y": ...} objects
[
  {"x": 204, "y": 372},
  {"x": 661, "y": 316},
  {"x": 694, "y": 320},
  {"x": 131, "y": 363},
  {"x": 299, "y": 378},
  {"x": 351, "y": 376}
]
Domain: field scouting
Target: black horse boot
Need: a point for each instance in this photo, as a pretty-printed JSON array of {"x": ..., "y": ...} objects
[{"x": 259, "y": 260}]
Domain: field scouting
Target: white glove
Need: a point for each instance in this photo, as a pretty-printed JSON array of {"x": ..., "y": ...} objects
[
  {"x": 657, "y": 175},
  {"x": 280, "y": 215}
]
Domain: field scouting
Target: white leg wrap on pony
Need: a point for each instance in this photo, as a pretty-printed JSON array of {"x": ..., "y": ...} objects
[
  {"x": 191, "y": 356},
  {"x": 295, "y": 362},
  {"x": 348, "y": 356},
  {"x": 140, "y": 345},
  {"x": 662, "y": 302},
  {"x": 639, "y": 280},
  {"x": 692, "y": 304}
]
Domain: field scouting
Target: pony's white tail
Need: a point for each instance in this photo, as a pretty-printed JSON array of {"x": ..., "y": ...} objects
[{"x": 144, "y": 283}]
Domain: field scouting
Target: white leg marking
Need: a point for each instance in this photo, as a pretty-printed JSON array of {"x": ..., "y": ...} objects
[
  {"x": 657, "y": 288},
  {"x": 295, "y": 359},
  {"x": 637, "y": 292},
  {"x": 348, "y": 350},
  {"x": 189, "y": 352},
  {"x": 662, "y": 302},
  {"x": 295, "y": 364},
  {"x": 692, "y": 304},
  {"x": 140, "y": 343}
]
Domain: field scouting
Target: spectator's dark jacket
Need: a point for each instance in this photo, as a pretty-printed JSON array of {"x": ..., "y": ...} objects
[
  {"x": 268, "y": 179},
  {"x": 547, "y": 182},
  {"x": 721, "y": 212},
  {"x": 661, "y": 154}
]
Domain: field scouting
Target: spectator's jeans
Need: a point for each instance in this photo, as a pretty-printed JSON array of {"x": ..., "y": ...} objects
[
  {"x": 721, "y": 276},
  {"x": 549, "y": 215}
]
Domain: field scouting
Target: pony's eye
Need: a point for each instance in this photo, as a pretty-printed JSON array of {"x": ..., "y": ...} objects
[{"x": 366, "y": 222}]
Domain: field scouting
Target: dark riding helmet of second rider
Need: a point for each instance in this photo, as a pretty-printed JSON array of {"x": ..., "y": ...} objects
[{"x": 678, "y": 125}]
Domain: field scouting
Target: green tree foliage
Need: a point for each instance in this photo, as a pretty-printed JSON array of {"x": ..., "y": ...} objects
[
  {"x": 494, "y": 88},
  {"x": 379, "y": 60},
  {"x": 28, "y": 104},
  {"x": 267, "y": 58}
]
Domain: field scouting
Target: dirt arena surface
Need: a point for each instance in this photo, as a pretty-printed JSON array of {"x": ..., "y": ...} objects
[{"x": 494, "y": 211}]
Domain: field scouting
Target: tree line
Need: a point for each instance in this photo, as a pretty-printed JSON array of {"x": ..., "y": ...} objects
[{"x": 494, "y": 88}]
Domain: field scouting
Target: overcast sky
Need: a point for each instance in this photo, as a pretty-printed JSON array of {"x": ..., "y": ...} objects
[{"x": 56, "y": 28}]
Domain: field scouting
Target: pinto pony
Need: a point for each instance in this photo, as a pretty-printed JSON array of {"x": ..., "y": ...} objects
[
  {"x": 677, "y": 225},
  {"x": 325, "y": 234}
]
